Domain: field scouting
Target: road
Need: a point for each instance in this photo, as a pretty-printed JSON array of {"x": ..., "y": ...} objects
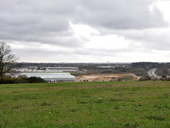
[{"x": 152, "y": 74}]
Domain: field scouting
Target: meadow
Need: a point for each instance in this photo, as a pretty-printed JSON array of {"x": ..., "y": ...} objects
[{"x": 86, "y": 105}]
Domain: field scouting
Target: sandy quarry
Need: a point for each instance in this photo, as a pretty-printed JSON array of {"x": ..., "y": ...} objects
[{"x": 104, "y": 77}]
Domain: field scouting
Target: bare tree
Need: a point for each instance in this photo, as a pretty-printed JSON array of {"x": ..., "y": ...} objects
[{"x": 7, "y": 59}]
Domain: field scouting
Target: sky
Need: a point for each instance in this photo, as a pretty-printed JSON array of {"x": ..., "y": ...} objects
[{"x": 86, "y": 30}]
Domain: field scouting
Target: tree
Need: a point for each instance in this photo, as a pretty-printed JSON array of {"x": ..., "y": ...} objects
[{"x": 7, "y": 59}]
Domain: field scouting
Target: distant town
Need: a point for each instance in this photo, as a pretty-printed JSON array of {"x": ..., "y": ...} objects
[{"x": 94, "y": 71}]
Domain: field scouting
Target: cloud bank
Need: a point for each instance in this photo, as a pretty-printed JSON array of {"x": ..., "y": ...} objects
[{"x": 85, "y": 30}]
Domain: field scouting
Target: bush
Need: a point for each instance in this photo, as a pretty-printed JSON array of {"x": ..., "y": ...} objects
[
  {"x": 165, "y": 78},
  {"x": 145, "y": 78},
  {"x": 127, "y": 78},
  {"x": 11, "y": 80},
  {"x": 7, "y": 80},
  {"x": 35, "y": 80}
]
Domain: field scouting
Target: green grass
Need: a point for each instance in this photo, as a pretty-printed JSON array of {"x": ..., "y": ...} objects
[{"x": 86, "y": 105}]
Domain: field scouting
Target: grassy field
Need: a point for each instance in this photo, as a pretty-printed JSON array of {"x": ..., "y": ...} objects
[{"x": 86, "y": 105}]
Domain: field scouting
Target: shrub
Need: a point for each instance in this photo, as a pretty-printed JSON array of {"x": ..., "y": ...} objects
[
  {"x": 127, "y": 78},
  {"x": 11, "y": 80},
  {"x": 35, "y": 80},
  {"x": 145, "y": 78},
  {"x": 7, "y": 80}
]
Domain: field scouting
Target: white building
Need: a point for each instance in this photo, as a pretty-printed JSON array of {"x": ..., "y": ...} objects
[
  {"x": 48, "y": 69},
  {"x": 64, "y": 69},
  {"x": 52, "y": 77}
]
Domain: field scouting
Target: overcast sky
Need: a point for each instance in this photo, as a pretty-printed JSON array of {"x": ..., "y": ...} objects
[{"x": 86, "y": 30}]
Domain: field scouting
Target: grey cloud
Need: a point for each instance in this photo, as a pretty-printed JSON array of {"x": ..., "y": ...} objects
[
  {"x": 157, "y": 38},
  {"x": 36, "y": 19},
  {"x": 124, "y": 14},
  {"x": 47, "y": 22},
  {"x": 110, "y": 51}
]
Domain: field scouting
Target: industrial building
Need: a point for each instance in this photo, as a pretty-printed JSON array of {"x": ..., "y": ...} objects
[
  {"x": 47, "y": 69},
  {"x": 52, "y": 77}
]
